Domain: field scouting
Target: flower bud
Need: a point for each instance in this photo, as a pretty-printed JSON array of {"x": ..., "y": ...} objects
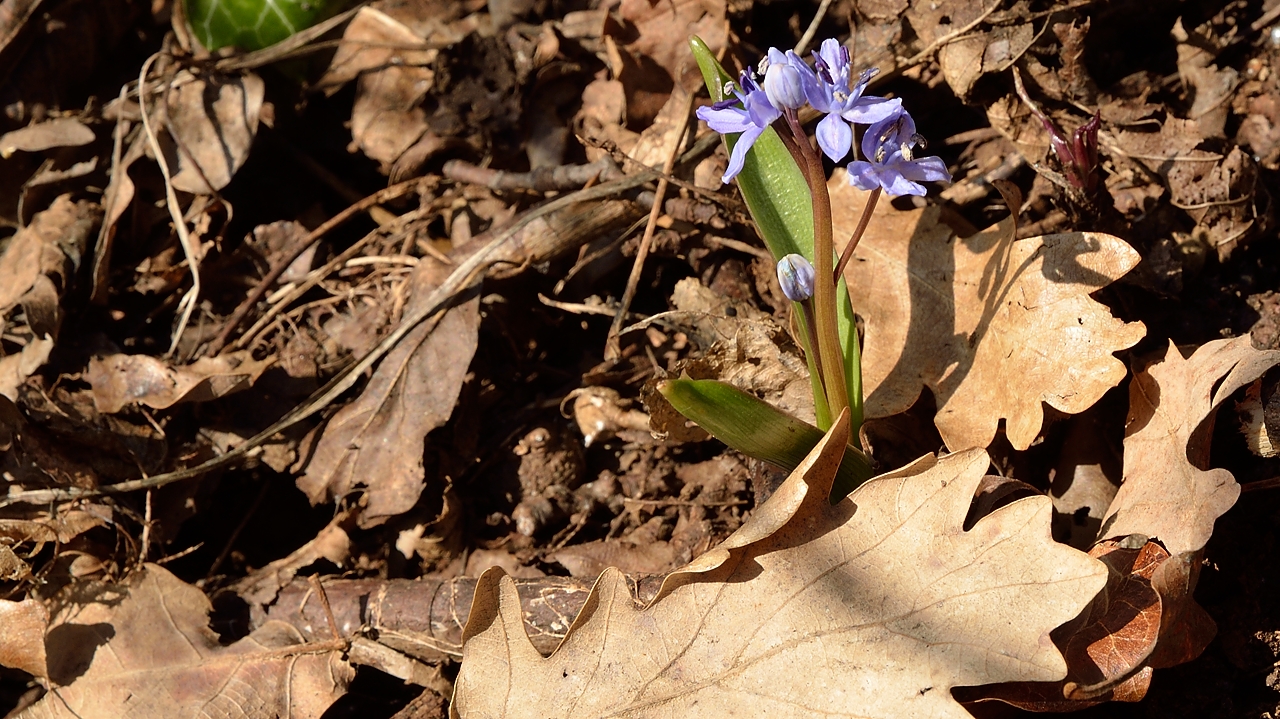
[
  {"x": 795, "y": 274},
  {"x": 782, "y": 82}
]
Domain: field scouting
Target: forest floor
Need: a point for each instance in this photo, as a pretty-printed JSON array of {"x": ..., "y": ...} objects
[{"x": 385, "y": 306}]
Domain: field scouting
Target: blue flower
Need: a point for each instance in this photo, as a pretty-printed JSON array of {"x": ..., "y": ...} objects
[
  {"x": 784, "y": 79},
  {"x": 829, "y": 90},
  {"x": 754, "y": 114},
  {"x": 889, "y": 146}
]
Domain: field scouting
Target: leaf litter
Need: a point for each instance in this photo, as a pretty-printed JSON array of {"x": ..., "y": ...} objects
[{"x": 403, "y": 306}]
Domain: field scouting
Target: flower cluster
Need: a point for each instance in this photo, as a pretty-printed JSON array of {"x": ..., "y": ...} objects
[{"x": 830, "y": 87}]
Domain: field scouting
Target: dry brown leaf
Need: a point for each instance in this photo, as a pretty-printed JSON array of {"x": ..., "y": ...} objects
[
  {"x": 145, "y": 649},
  {"x": 24, "y": 625},
  {"x": 212, "y": 122},
  {"x": 16, "y": 368},
  {"x": 118, "y": 380},
  {"x": 661, "y": 140},
  {"x": 1210, "y": 86},
  {"x": 874, "y": 607},
  {"x": 392, "y": 78},
  {"x": 376, "y": 441},
  {"x": 966, "y": 60},
  {"x": 729, "y": 332},
  {"x": 59, "y": 132},
  {"x": 661, "y": 26},
  {"x": 993, "y": 326},
  {"x": 40, "y": 258},
  {"x": 1168, "y": 493},
  {"x": 1107, "y": 649}
]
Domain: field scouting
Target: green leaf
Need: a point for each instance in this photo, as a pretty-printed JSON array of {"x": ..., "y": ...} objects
[
  {"x": 254, "y": 24},
  {"x": 758, "y": 429}
]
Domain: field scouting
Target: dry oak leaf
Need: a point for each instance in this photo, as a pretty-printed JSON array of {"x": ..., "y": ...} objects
[
  {"x": 119, "y": 379},
  {"x": 376, "y": 441},
  {"x": 24, "y": 625},
  {"x": 874, "y": 607},
  {"x": 1167, "y": 492},
  {"x": 992, "y": 325},
  {"x": 393, "y": 67},
  {"x": 144, "y": 649}
]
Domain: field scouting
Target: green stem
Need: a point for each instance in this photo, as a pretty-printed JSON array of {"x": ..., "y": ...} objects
[{"x": 824, "y": 290}]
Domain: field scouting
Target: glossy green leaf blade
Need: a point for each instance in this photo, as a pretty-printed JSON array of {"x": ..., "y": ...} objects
[
  {"x": 254, "y": 24},
  {"x": 758, "y": 429}
]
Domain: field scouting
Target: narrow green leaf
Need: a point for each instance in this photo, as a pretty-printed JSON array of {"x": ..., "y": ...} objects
[{"x": 758, "y": 429}]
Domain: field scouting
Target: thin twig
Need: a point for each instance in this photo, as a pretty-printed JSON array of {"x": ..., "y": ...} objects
[
  {"x": 612, "y": 346},
  {"x": 188, "y": 302},
  {"x": 312, "y": 279},
  {"x": 812, "y": 30},
  {"x": 457, "y": 281},
  {"x": 544, "y": 179},
  {"x": 377, "y": 198},
  {"x": 314, "y": 581},
  {"x": 951, "y": 36}
]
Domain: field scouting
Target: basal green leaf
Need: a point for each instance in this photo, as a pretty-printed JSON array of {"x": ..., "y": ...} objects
[{"x": 758, "y": 429}]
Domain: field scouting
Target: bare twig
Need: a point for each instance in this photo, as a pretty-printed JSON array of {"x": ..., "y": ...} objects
[
  {"x": 951, "y": 36},
  {"x": 612, "y": 348},
  {"x": 458, "y": 281},
  {"x": 813, "y": 27},
  {"x": 188, "y": 302},
  {"x": 312, "y": 237},
  {"x": 547, "y": 179}
]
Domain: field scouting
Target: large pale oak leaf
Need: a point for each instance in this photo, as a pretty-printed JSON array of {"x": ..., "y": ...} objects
[
  {"x": 874, "y": 607},
  {"x": 994, "y": 327}
]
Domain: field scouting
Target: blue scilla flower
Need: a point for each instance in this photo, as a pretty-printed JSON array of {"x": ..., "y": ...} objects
[
  {"x": 749, "y": 113},
  {"x": 889, "y": 146},
  {"x": 830, "y": 90}
]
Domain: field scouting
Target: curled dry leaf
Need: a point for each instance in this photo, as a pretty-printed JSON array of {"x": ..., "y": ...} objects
[
  {"x": 1167, "y": 493},
  {"x": 16, "y": 368},
  {"x": 118, "y": 380},
  {"x": 600, "y": 412},
  {"x": 39, "y": 260},
  {"x": 1108, "y": 646},
  {"x": 992, "y": 325},
  {"x": 376, "y": 441},
  {"x": 59, "y": 132},
  {"x": 379, "y": 51},
  {"x": 145, "y": 648},
  {"x": 874, "y": 607},
  {"x": 212, "y": 122}
]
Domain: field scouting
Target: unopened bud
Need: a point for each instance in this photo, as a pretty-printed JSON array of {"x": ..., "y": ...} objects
[
  {"x": 795, "y": 274},
  {"x": 782, "y": 84}
]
